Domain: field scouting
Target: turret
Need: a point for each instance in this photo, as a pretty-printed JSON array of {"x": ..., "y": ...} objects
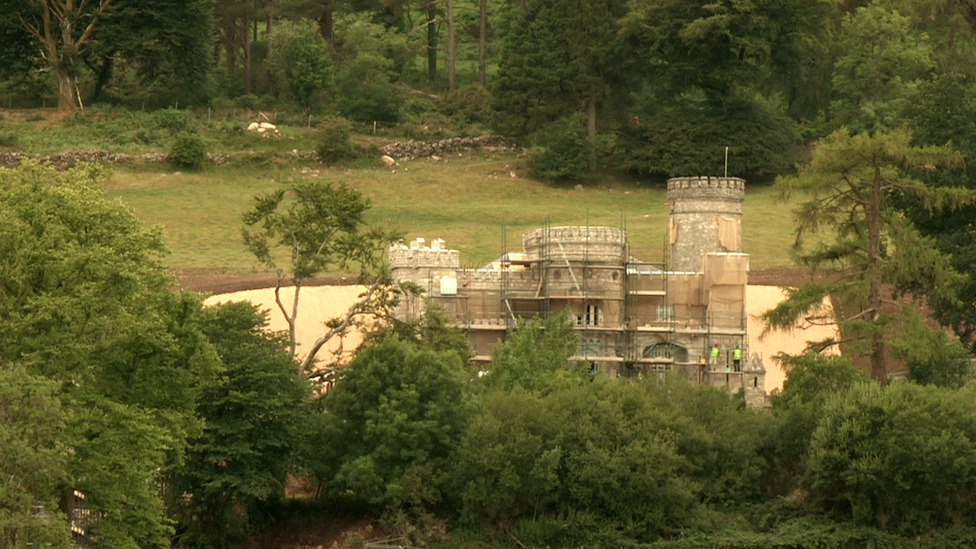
[{"x": 706, "y": 216}]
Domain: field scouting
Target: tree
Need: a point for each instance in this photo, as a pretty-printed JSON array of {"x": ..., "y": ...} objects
[
  {"x": 397, "y": 413},
  {"x": 255, "y": 415},
  {"x": 370, "y": 59},
  {"x": 317, "y": 227},
  {"x": 899, "y": 458},
  {"x": 534, "y": 356},
  {"x": 169, "y": 42},
  {"x": 307, "y": 65},
  {"x": 847, "y": 189},
  {"x": 705, "y": 67},
  {"x": 944, "y": 110},
  {"x": 558, "y": 58},
  {"x": 64, "y": 31},
  {"x": 87, "y": 305},
  {"x": 811, "y": 379},
  {"x": 720, "y": 47},
  {"x": 882, "y": 61},
  {"x": 159, "y": 37},
  {"x": 32, "y": 427}
]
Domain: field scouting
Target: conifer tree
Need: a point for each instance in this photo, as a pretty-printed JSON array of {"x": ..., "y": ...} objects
[{"x": 862, "y": 244}]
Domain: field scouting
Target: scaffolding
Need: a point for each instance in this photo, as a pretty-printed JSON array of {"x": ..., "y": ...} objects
[{"x": 629, "y": 311}]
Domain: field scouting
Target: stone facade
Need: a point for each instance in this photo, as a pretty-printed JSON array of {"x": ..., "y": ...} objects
[
  {"x": 706, "y": 216},
  {"x": 633, "y": 317}
]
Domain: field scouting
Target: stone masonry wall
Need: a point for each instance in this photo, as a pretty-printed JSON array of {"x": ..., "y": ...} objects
[{"x": 696, "y": 205}]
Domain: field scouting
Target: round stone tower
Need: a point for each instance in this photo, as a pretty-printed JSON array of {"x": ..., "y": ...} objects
[{"x": 706, "y": 216}]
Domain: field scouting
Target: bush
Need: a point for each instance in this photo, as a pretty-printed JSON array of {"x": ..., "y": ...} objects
[
  {"x": 566, "y": 153},
  {"x": 188, "y": 151},
  {"x": 334, "y": 140},
  {"x": 174, "y": 120},
  {"x": 468, "y": 105}
]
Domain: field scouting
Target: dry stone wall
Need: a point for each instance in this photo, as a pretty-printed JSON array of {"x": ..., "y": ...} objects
[
  {"x": 408, "y": 150},
  {"x": 400, "y": 150}
]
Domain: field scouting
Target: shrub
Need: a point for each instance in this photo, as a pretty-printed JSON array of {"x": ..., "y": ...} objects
[
  {"x": 468, "y": 105},
  {"x": 188, "y": 151},
  {"x": 565, "y": 153},
  {"x": 174, "y": 120},
  {"x": 334, "y": 143}
]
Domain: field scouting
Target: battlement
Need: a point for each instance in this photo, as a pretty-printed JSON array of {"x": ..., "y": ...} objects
[
  {"x": 419, "y": 255},
  {"x": 704, "y": 187},
  {"x": 575, "y": 243}
]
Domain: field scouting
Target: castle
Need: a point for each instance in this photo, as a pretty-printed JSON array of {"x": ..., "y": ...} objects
[{"x": 633, "y": 317}]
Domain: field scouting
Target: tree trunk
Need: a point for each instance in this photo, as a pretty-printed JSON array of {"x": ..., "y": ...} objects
[
  {"x": 67, "y": 89},
  {"x": 431, "y": 41},
  {"x": 482, "y": 41},
  {"x": 451, "y": 83},
  {"x": 246, "y": 27},
  {"x": 872, "y": 216},
  {"x": 268, "y": 20},
  {"x": 591, "y": 126},
  {"x": 325, "y": 24},
  {"x": 104, "y": 75}
]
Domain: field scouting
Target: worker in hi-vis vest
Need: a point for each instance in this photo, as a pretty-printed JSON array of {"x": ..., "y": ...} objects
[
  {"x": 737, "y": 358},
  {"x": 713, "y": 355}
]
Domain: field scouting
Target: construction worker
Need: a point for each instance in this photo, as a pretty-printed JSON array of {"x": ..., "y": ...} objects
[
  {"x": 737, "y": 358},
  {"x": 713, "y": 355}
]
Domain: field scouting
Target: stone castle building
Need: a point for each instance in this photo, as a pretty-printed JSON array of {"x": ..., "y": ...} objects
[{"x": 633, "y": 316}]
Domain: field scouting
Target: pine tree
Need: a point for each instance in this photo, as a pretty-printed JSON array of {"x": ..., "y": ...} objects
[{"x": 862, "y": 244}]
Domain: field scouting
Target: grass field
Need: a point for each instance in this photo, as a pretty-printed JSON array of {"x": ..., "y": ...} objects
[{"x": 467, "y": 201}]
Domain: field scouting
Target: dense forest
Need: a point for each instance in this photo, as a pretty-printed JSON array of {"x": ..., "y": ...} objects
[{"x": 133, "y": 416}]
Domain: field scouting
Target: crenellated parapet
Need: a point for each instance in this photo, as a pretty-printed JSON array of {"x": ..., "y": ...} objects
[
  {"x": 597, "y": 244},
  {"x": 417, "y": 255},
  {"x": 706, "y": 188}
]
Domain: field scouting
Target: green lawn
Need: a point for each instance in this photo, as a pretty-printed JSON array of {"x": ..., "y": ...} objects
[{"x": 466, "y": 200}]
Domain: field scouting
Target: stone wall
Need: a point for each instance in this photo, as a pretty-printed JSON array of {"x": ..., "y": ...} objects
[
  {"x": 408, "y": 150},
  {"x": 400, "y": 150},
  {"x": 595, "y": 244},
  {"x": 697, "y": 204}
]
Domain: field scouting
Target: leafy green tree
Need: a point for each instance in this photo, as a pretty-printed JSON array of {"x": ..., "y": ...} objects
[
  {"x": 32, "y": 436},
  {"x": 882, "y": 61},
  {"x": 558, "y": 57},
  {"x": 679, "y": 136},
  {"x": 598, "y": 463},
  {"x": 944, "y": 110},
  {"x": 721, "y": 47},
  {"x": 899, "y": 458},
  {"x": 317, "y": 227},
  {"x": 88, "y": 305},
  {"x": 168, "y": 44},
  {"x": 717, "y": 437},
  {"x": 255, "y": 415},
  {"x": 847, "y": 189},
  {"x": 621, "y": 466},
  {"x": 931, "y": 355},
  {"x": 705, "y": 67},
  {"x": 810, "y": 380},
  {"x": 508, "y": 460},
  {"x": 162, "y": 36},
  {"x": 397, "y": 412},
  {"x": 534, "y": 356},
  {"x": 949, "y": 26},
  {"x": 306, "y": 63},
  {"x": 371, "y": 57},
  {"x": 566, "y": 152}
]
